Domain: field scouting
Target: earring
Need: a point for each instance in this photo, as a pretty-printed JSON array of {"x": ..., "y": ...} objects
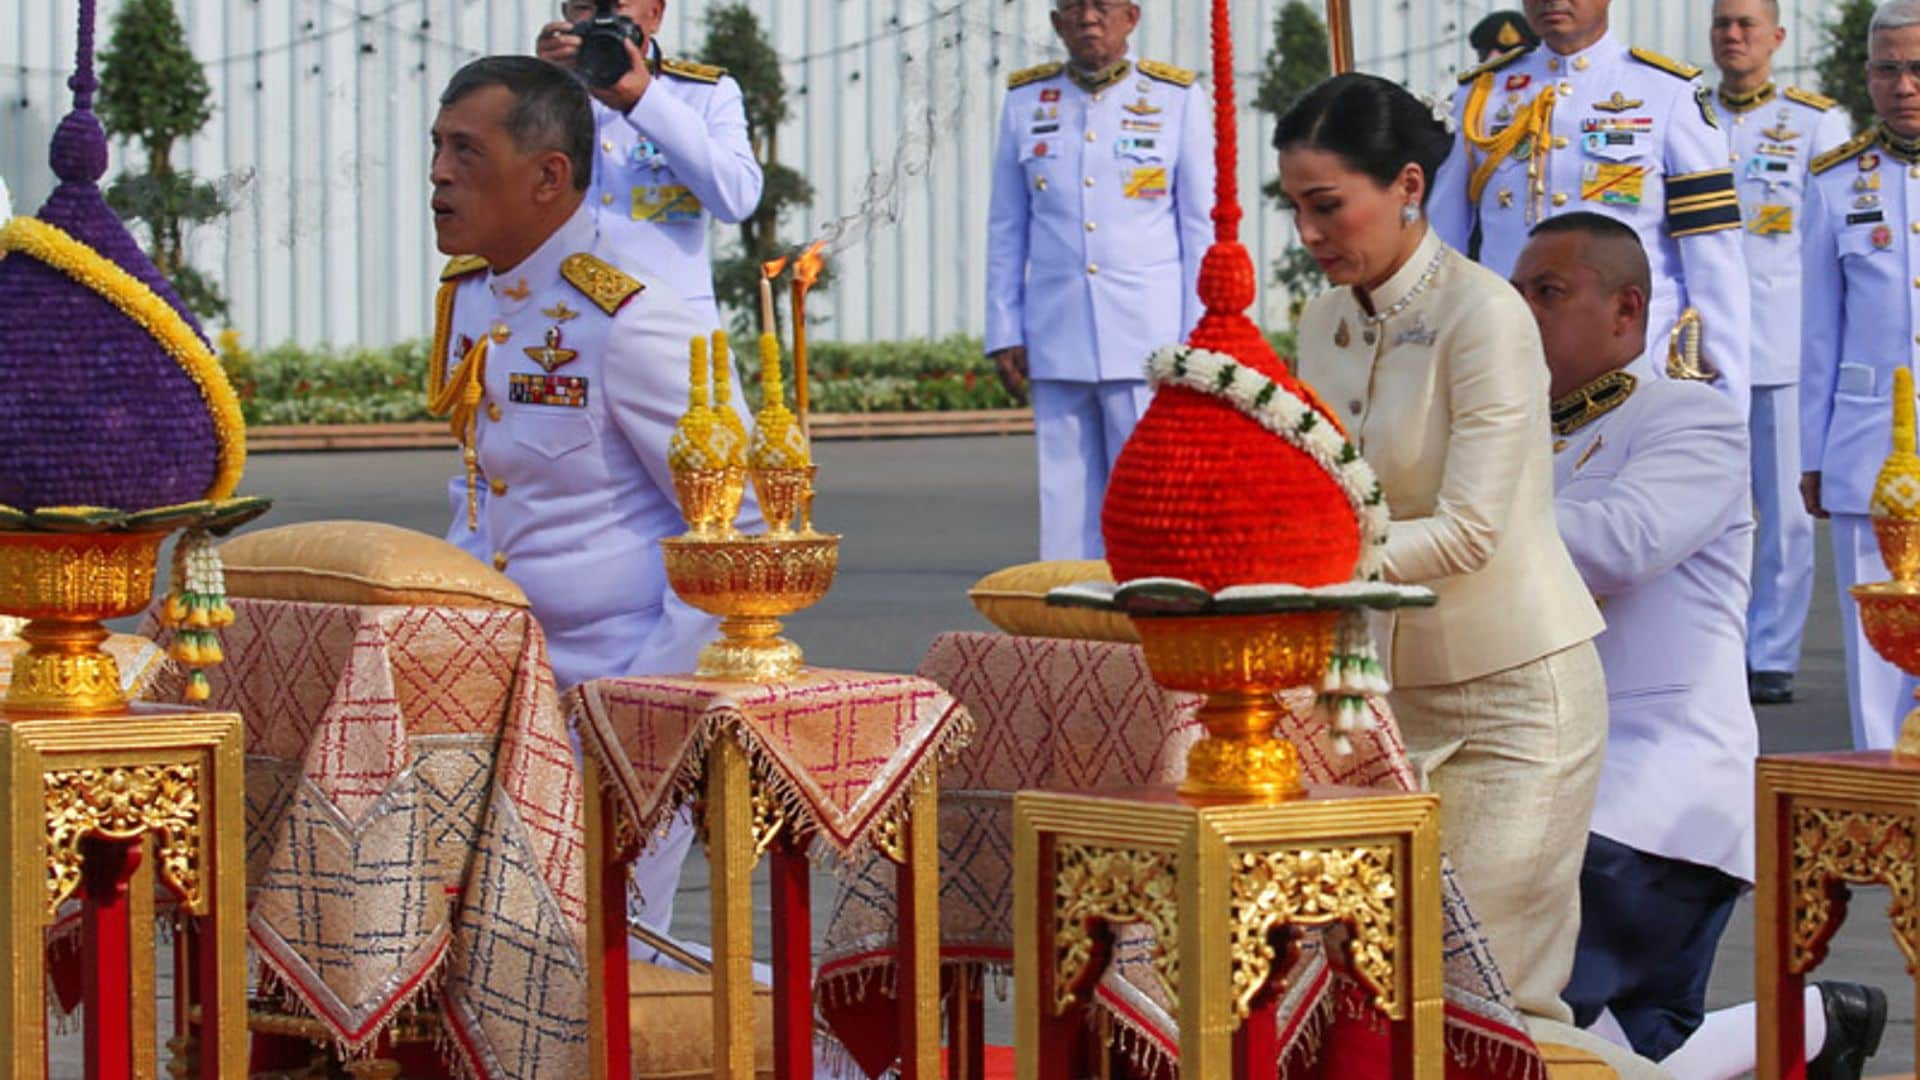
[{"x": 1408, "y": 215}]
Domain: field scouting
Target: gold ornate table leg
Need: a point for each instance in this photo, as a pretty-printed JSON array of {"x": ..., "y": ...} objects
[
  {"x": 917, "y": 990},
  {"x": 730, "y": 857}
]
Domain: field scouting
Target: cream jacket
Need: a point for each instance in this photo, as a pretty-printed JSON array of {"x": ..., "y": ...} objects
[{"x": 1447, "y": 400}]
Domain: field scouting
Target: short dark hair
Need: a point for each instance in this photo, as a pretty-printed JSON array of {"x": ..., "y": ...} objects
[
  {"x": 551, "y": 110},
  {"x": 1613, "y": 251},
  {"x": 1375, "y": 126}
]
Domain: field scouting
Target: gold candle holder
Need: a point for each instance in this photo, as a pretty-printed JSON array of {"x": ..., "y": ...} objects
[
  {"x": 751, "y": 582},
  {"x": 1240, "y": 662},
  {"x": 1890, "y": 610},
  {"x": 786, "y": 499},
  {"x": 65, "y": 585}
]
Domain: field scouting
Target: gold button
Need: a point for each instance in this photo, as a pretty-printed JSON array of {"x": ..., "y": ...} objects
[
  {"x": 493, "y": 411},
  {"x": 1100, "y": 95},
  {"x": 1565, "y": 88},
  {"x": 607, "y": 199},
  {"x": 1581, "y": 63},
  {"x": 499, "y": 560},
  {"x": 1553, "y": 63},
  {"x": 498, "y": 487},
  {"x": 501, "y": 333},
  {"x": 607, "y": 145},
  {"x": 1559, "y": 198},
  {"x": 1559, "y": 142},
  {"x": 1914, "y": 172},
  {"x": 1089, "y": 181},
  {"x": 1040, "y": 183},
  {"x": 1733, "y": 157},
  {"x": 1093, "y": 268},
  {"x": 1089, "y": 226},
  {"x": 1091, "y": 136}
]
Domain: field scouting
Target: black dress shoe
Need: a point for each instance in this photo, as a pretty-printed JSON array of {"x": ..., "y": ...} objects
[
  {"x": 1856, "y": 1018},
  {"x": 1769, "y": 687}
]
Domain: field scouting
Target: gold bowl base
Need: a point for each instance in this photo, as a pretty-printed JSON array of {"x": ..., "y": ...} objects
[
  {"x": 751, "y": 582},
  {"x": 1890, "y": 615},
  {"x": 1899, "y": 541},
  {"x": 1240, "y": 662},
  {"x": 65, "y": 584}
]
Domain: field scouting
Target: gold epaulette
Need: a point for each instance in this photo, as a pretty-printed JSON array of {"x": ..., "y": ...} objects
[
  {"x": 1495, "y": 63},
  {"x": 606, "y": 285},
  {"x": 1034, "y": 74},
  {"x": 1846, "y": 151},
  {"x": 1808, "y": 98},
  {"x": 461, "y": 265},
  {"x": 1665, "y": 63},
  {"x": 687, "y": 69},
  {"x": 1166, "y": 73}
]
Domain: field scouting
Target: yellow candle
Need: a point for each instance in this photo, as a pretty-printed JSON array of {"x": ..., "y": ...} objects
[
  {"x": 722, "y": 371},
  {"x": 698, "y": 385},
  {"x": 770, "y": 389}
]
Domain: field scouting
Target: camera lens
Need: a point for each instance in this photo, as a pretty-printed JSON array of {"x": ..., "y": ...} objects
[{"x": 602, "y": 59}]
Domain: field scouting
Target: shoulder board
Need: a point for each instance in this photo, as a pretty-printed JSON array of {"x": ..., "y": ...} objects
[
  {"x": 603, "y": 283},
  {"x": 1846, "y": 151},
  {"x": 1811, "y": 100},
  {"x": 1495, "y": 63},
  {"x": 687, "y": 69},
  {"x": 462, "y": 265},
  {"x": 1034, "y": 74},
  {"x": 1167, "y": 73},
  {"x": 1665, "y": 63}
]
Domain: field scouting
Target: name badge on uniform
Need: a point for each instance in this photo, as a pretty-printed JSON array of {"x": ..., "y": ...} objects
[
  {"x": 565, "y": 391},
  {"x": 1043, "y": 129},
  {"x": 1613, "y": 183},
  {"x": 1134, "y": 147},
  {"x": 1771, "y": 220},
  {"x": 1596, "y": 142},
  {"x": 665, "y": 203},
  {"x": 1146, "y": 182},
  {"x": 1867, "y": 217}
]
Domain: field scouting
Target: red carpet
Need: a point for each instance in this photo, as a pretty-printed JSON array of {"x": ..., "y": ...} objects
[{"x": 999, "y": 1063}]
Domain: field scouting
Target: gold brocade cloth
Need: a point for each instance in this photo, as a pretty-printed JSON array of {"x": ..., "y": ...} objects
[
  {"x": 840, "y": 750},
  {"x": 1071, "y": 715},
  {"x": 414, "y": 825}
]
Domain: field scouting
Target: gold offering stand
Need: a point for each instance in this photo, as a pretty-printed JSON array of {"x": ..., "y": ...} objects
[
  {"x": 1830, "y": 821},
  {"x": 1229, "y": 866},
  {"x": 102, "y": 794}
]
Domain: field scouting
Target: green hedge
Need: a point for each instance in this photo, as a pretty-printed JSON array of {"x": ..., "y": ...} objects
[{"x": 292, "y": 385}]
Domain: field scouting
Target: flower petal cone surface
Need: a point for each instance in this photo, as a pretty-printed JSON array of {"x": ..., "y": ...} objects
[{"x": 113, "y": 397}]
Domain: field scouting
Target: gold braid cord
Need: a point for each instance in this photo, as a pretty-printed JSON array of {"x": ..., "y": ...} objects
[
  {"x": 1095, "y": 885},
  {"x": 123, "y": 804},
  {"x": 1315, "y": 887},
  {"x": 1834, "y": 847},
  {"x": 1528, "y": 137}
]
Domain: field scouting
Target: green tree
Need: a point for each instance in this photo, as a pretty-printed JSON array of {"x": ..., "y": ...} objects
[
  {"x": 154, "y": 92},
  {"x": 736, "y": 41},
  {"x": 1300, "y": 59},
  {"x": 1842, "y": 65}
]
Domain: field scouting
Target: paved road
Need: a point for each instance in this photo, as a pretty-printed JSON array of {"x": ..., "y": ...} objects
[{"x": 924, "y": 518}]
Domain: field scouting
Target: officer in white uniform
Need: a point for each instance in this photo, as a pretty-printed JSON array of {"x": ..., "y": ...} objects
[
  {"x": 1775, "y": 133},
  {"x": 1585, "y": 123},
  {"x": 1662, "y": 533},
  {"x": 578, "y": 374},
  {"x": 672, "y": 156},
  {"x": 1101, "y": 209},
  {"x": 1860, "y": 317}
]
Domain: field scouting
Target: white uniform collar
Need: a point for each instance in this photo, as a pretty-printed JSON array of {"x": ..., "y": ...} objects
[
  {"x": 1401, "y": 285},
  {"x": 542, "y": 268},
  {"x": 1587, "y": 59}
]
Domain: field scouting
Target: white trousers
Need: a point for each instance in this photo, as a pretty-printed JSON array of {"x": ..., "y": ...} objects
[
  {"x": 1783, "y": 537},
  {"x": 1878, "y": 694},
  {"x": 1079, "y": 429},
  {"x": 1724, "y": 1046}
]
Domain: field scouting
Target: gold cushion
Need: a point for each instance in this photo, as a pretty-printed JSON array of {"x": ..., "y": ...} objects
[
  {"x": 1015, "y": 600},
  {"x": 1569, "y": 1063},
  {"x": 361, "y": 562},
  {"x": 671, "y": 1013}
]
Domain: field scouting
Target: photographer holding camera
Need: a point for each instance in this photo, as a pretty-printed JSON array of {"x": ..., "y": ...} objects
[{"x": 672, "y": 151}]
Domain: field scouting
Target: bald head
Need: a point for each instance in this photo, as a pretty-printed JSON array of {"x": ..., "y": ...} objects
[{"x": 1587, "y": 279}]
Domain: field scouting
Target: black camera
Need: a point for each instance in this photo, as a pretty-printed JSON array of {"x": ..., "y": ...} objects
[{"x": 602, "y": 58}]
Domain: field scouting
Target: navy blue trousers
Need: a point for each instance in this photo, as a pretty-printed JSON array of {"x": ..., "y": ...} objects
[{"x": 1648, "y": 930}]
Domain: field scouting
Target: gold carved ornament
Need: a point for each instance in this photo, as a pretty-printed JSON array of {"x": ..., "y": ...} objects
[
  {"x": 124, "y": 803},
  {"x": 769, "y": 816},
  {"x": 1095, "y": 887},
  {"x": 1834, "y": 847},
  {"x": 1315, "y": 887}
]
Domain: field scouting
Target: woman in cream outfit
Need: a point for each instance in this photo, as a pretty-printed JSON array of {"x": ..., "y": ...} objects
[{"x": 1435, "y": 367}]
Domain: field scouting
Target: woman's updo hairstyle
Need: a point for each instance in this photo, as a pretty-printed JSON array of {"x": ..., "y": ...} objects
[{"x": 1375, "y": 126}]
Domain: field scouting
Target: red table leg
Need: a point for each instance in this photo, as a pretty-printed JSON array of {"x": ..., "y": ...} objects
[
  {"x": 616, "y": 987},
  {"x": 792, "y": 959},
  {"x": 106, "y": 934},
  {"x": 1778, "y": 992},
  {"x": 1256, "y": 1043},
  {"x": 966, "y": 1025},
  {"x": 1058, "y": 1030}
]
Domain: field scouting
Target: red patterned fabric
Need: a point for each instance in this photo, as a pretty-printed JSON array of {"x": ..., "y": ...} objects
[
  {"x": 414, "y": 825},
  {"x": 841, "y": 749},
  {"x": 1071, "y": 715}
]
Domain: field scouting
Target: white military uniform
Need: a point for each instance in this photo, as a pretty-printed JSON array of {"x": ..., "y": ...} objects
[
  {"x": 1101, "y": 209},
  {"x": 1860, "y": 314},
  {"x": 1615, "y": 131},
  {"x": 585, "y": 376},
  {"x": 664, "y": 170},
  {"x": 1775, "y": 133},
  {"x": 1658, "y": 523}
]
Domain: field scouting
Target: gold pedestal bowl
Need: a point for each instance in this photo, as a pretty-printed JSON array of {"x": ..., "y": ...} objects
[
  {"x": 1240, "y": 662},
  {"x": 65, "y": 585},
  {"x": 1890, "y": 614},
  {"x": 751, "y": 582}
]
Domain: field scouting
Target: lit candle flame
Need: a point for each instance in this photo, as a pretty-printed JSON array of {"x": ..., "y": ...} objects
[
  {"x": 772, "y": 268},
  {"x": 807, "y": 269}
]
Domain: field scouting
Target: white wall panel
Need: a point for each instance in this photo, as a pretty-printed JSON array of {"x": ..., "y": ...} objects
[{"x": 323, "y": 107}]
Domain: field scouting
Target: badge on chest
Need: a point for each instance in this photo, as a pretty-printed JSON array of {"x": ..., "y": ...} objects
[
  {"x": 665, "y": 203},
  {"x": 564, "y": 391}
]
